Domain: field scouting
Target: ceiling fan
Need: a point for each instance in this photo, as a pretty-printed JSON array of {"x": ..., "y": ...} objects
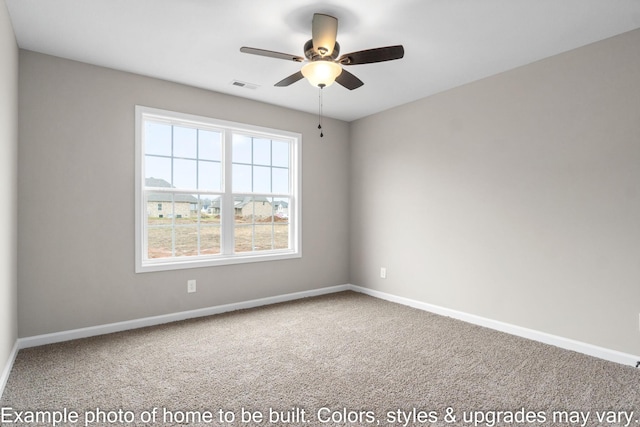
[{"x": 323, "y": 65}]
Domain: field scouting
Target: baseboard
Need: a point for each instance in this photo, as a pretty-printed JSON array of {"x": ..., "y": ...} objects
[
  {"x": 52, "y": 338},
  {"x": 557, "y": 341},
  {"x": 4, "y": 377}
]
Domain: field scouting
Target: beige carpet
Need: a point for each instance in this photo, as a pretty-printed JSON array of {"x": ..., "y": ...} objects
[{"x": 340, "y": 359}]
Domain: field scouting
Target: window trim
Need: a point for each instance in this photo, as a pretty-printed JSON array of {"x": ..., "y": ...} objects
[{"x": 143, "y": 265}]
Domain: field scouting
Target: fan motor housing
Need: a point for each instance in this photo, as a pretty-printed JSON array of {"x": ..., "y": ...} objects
[{"x": 313, "y": 55}]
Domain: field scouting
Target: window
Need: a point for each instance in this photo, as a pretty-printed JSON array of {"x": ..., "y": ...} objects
[{"x": 211, "y": 192}]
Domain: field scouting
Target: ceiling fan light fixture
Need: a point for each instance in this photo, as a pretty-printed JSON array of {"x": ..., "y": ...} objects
[{"x": 321, "y": 73}]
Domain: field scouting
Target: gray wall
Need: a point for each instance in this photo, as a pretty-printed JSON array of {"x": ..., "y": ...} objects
[
  {"x": 8, "y": 184},
  {"x": 516, "y": 198},
  {"x": 76, "y": 163}
]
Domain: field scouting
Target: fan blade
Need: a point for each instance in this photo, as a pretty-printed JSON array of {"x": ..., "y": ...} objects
[
  {"x": 324, "y": 30},
  {"x": 271, "y": 54},
  {"x": 348, "y": 80},
  {"x": 369, "y": 56},
  {"x": 290, "y": 80}
]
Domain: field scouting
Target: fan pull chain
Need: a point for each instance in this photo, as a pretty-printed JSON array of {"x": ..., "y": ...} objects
[{"x": 321, "y": 86}]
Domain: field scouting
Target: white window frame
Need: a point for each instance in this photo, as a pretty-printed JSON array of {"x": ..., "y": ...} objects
[{"x": 144, "y": 264}]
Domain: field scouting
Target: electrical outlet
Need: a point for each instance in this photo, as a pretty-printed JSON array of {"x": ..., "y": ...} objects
[
  {"x": 191, "y": 286},
  {"x": 383, "y": 273}
]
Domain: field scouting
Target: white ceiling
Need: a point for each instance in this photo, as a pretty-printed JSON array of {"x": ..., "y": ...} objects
[{"x": 447, "y": 42}]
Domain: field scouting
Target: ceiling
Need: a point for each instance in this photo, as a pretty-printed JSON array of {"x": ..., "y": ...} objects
[{"x": 447, "y": 43}]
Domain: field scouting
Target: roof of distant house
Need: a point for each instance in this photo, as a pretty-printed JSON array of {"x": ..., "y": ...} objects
[{"x": 166, "y": 197}]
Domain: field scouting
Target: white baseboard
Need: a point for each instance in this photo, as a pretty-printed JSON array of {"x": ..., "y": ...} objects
[
  {"x": 568, "y": 344},
  {"x": 565, "y": 343},
  {"x": 166, "y": 318},
  {"x": 4, "y": 377}
]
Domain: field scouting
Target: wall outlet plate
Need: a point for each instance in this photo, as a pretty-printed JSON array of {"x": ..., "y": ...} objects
[{"x": 191, "y": 286}]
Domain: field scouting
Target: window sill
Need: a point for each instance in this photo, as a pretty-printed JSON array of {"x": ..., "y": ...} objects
[{"x": 192, "y": 262}]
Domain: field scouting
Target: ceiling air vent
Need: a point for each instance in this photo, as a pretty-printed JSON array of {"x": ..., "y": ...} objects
[{"x": 245, "y": 85}]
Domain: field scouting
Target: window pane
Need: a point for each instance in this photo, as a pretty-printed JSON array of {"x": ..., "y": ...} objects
[
  {"x": 157, "y": 139},
  {"x": 185, "y": 207},
  {"x": 262, "y": 151},
  {"x": 262, "y": 209},
  {"x": 281, "y": 238},
  {"x": 186, "y": 241},
  {"x": 255, "y": 224},
  {"x": 209, "y": 174},
  {"x": 280, "y": 180},
  {"x": 241, "y": 149},
  {"x": 261, "y": 179},
  {"x": 184, "y": 173},
  {"x": 158, "y": 168},
  {"x": 252, "y": 209},
  {"x": 184, "y": 142},
  {"x": 263, "y": 237},
  {"x": 281, "y": 208},
  {"x": 243, "y": 237},
  {"x": 159, "y": 242},
  {"x": 209, "y": 145},
  {"x": 280, "y": 153},
  {"x": 211, "y": 209},
  {"x": 209, "y": 240},
  {"x": 159, "y": 205},
  {"x": 241, "y": 178},
  {"x": 159, "y": 225},
  {"x": 244, "y": 209}
]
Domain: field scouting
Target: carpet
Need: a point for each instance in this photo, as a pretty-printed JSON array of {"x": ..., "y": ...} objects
[{"x": 343, "y": 359}]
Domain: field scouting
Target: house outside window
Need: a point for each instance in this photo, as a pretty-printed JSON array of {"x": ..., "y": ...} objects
[{"x": 212, "y": 192}]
